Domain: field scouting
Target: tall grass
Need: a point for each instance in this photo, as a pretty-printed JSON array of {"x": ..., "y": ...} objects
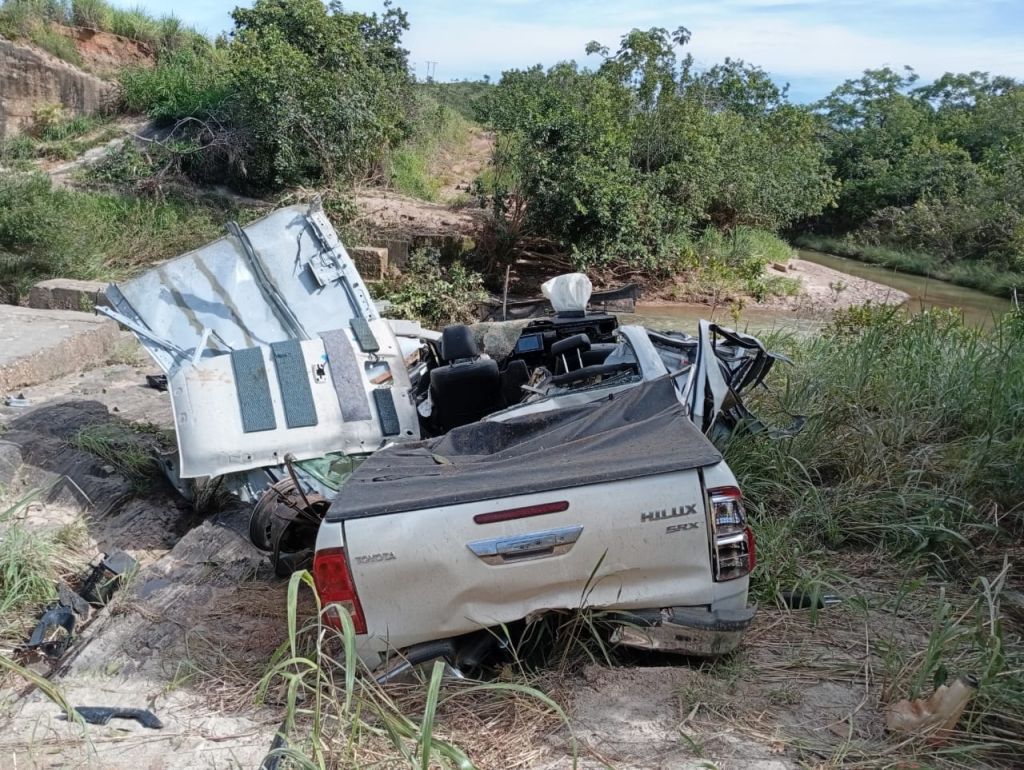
[
  {"x": 183, "y": 84},
  {"x": 47, "y": 232},
  {"x": 912, "y": 460},
  {"x": 336, "y": 715},
  {"x": 34, "y": 20},
  {"x": 914, "y": 442},
  {"x": 32, "y": 561},
  {"x": 972, "y": 274},
  {"x": 418, "y": 166}
]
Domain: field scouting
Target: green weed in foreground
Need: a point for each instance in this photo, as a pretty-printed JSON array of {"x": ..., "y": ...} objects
[
  {"x": 336, "y": 715},
  {"x": 31, "y": 564},
  {"x": 128, "y": 451},
  {"x": 433, "y": 293}
]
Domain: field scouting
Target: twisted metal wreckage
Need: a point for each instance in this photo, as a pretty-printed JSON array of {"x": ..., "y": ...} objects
[{"x": 283, "y": 375}]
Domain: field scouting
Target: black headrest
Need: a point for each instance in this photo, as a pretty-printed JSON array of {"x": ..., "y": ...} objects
[
  {"x": 457, "y": 342},
  {"x": 579, "y": 342}
]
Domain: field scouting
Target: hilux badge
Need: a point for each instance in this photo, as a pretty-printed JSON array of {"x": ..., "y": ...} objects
[{"x": 668, "y": 513}]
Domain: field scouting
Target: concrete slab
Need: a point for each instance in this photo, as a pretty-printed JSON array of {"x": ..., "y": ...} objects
[
  {"x": 68, "y": 294},
  {"x": 39, "y": 345}
]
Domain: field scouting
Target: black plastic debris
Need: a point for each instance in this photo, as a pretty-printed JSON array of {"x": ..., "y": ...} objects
[
  {"x": 272, "y": 761},
  {"x": 106, "y": 577},
  {"x": 101, "y": 715},
  {"x": 68, "y": 598},
  {"x": 157, "y": 381},
  {"x": 809, "y": 600},
  {"x": 54, "y": 618},
  {"x": 54, "y": 633}
]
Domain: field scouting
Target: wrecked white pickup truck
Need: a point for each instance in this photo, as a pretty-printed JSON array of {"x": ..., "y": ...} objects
[{"x": 459, "y": 481}]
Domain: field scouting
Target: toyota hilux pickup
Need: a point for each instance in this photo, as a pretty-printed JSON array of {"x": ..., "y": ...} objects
[
  {"x": 442, "y": 484},
  {"x": 620, "y": 504}
]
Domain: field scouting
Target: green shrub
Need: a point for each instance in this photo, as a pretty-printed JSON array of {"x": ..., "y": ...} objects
[
  {"x": 435, "y": 294},
  {"x": 622, "y": 165},
  {"x": 320, "y": 93}
]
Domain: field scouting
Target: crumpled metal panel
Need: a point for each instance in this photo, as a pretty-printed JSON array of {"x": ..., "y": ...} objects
[
  {"x": 283, "y": 277},
  {"x": 224, "y": 297}
]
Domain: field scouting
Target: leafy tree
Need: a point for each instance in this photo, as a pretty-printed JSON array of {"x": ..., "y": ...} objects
[
  {"x": 626, "y": 163},
  {"x": 319, "y": 91},
  {"x": 933, "y": 168}
]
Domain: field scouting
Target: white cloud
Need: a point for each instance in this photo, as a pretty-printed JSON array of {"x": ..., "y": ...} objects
[{"x": 467, "y": 47}]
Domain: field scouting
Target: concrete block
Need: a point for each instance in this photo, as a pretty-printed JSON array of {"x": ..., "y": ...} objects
[
  {"x": 371, "y": 261},
  {"x": 68, "y": 294},
  {"x": 40, "y": 345},
  {"x": 398, "y": 251}
]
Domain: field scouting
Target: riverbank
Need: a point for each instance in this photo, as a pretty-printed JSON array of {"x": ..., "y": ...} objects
[
  {"x": 825, "y": 290},
  {"x": 972, "y": 275},
  {"x": 821, "y": 291}
]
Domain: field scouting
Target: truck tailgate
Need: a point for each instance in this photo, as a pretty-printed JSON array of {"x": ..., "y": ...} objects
[{"x": 644, "y": 540}]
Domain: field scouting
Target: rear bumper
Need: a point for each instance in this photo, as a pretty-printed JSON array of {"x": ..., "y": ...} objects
[{"x": 685, "y": 630}]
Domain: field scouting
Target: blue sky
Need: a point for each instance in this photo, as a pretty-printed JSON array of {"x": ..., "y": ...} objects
[{"x": 812, "y": 44}]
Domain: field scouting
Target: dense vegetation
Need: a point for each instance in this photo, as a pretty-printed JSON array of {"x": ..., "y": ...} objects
[
  {"x": 629, "y": 163},
  {"x": 47, "y": 231},
  {"x": 936, "y": 169},
  {"x": 642, "y": 166},
  {"x": 911, "y": 461},
  {"x": 302, "y": 93}
]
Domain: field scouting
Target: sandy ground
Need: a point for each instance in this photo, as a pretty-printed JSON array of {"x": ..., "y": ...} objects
[
  {"x": 395, "y": 214},
  {"x": 828, "y": 289}
]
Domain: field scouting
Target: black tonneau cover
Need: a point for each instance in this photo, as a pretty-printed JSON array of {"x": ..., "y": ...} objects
[{"x": 643, "y": 431}]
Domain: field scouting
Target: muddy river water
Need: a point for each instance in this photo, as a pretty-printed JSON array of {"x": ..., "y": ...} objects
[{"x": 977, "y": 307}]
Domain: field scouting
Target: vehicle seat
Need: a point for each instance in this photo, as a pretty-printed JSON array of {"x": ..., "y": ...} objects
[
  {"x": 467, "y": 387},
  {"x": 598, "y": 352},
  {"x": 569, "y": 352}
]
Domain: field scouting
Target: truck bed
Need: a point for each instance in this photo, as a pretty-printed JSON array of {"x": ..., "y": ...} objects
[{"x": 637, "y": 433}]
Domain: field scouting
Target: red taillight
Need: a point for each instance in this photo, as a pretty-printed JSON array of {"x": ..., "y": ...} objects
[
  {"x": 732, "y": 540},
  {"x": 335, "y": 586},
  {"x": 521, "y": 513}
]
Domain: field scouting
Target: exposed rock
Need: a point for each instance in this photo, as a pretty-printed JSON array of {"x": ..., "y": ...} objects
[{"x": 31, "y": 78}]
